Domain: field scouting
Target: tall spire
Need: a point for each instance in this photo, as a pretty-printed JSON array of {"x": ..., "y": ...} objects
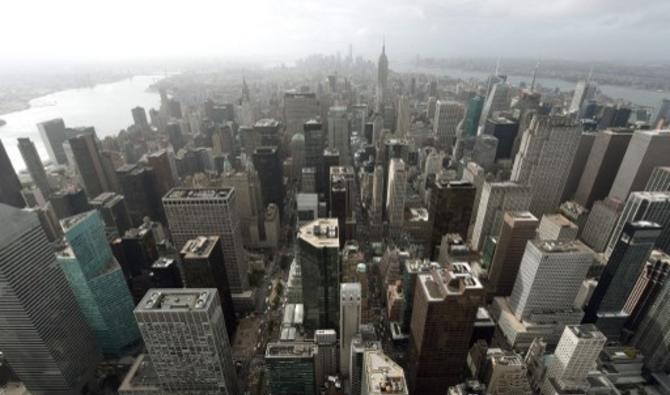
[
  {"x": 245, "y": 90},
  {"x": 383, "y": 44}
]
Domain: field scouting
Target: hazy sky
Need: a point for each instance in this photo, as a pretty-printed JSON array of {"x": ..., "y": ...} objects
[{"x": 76, "y": 30}]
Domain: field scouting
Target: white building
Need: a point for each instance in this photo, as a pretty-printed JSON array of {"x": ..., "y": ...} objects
[
  {"x": 550, "y": 276},
  {"x": 448, "y": 114},
  {"x": 497, "y": 198},
  {"x": 396, "y": 193},
  {"x": 544, "y": 160},
  {"x": 185, "y": 335},
  {"x": 506, "y": 373},
  {"x": 575, "y": 356},
  {"x": 350, "y": 320}
]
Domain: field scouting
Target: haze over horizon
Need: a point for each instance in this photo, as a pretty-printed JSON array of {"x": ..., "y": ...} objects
[{"x": 74, "y": 31}]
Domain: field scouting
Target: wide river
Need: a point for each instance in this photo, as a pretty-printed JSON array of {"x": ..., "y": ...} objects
[{"x": 104, "y": 106}]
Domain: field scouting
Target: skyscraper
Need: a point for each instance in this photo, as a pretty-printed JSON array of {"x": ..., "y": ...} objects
[
  {"x": 270, "y": 173},
  {"x": 396, "y": 193},
  {"x": 659, "y": 181},
  {"x": 404, "y": 121},
  {"x": 517, "y": 229},
  {"x": 647, "y": 149},
  {"x": 203, "y": 267},
  {"x": 185, "y": 335},
  {"x": 451, "y": 204},
  {"x": 10, "y": 187},
  {"x": 555, "y": 227},
  {"x": 663, "y": 115},
  {"x": 350, "y": 320},
  {"x": 472, "y": 115},
  {"x": 644, "y": 206},
  {"x": 210, "y": 211},
  {"x": 114, "y": 212},
  {"x": 495, "y": 200},
  {"x": 602, "y": 165},
  {"x": 34, "y": 165},
  {"x": 544, "y": 159},
  {"x": 497, "y": 100},
  {"x": 342, "y": 200},
  {"x": 89, "y": 164},
  {"x": 162, "y": 163},
  {"x": 582, "y": 153},
  {"x": 584, "y": 91},
  {"x": 141, "y": 191},
  {"x": 43, "y": 334},
  {"x": 382, "y": 80},
  {"x": 505, "y": 373},
  {"x": 140, "y": 117},
  {"x": 318, "y": 256},
  {"x": 550, "y": 276},
  {"x": 298, "y": 109},
  {"x": 338, "y": 131},
  {"x": 325, "y": 362},
  {"x": 448, "y": 114},
  {"x": 381, "y": 375},
  {"x": 630, "y": 254},
  {"x": 314, "y": 138},
  {"x": 290, "y": 367},
  {"x": 506, "y": 131},
  {"x": 98, "y": 283},
  {"x": 575, "y": 356},
  {"x": 175, "y": 136},
  {"x": 443, "y": 316},
  {"x": 53, "y": 135}
]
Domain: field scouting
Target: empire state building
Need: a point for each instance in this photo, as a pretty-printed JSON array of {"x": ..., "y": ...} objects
[{"x": 382, "y": 80}]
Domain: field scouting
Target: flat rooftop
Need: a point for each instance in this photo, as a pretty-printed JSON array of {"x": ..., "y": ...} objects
[
  {"x": 266, "y": 123},
  {"x": 322, "y": 232},
  {"x": 70, "y": 222},
  {"x": 163, "y": 262},
  {"x": 222, "y": 193},
  {"x": 176, "y": 299},
  {"x": 588, "y": 331},
  {"x": 454, "y": 280},
  {"x": 290, "y": 350},
  {"x": 561, "y": 247},
  {"x": 385, "y": 376},
  {"x": 200, "y": 247}
]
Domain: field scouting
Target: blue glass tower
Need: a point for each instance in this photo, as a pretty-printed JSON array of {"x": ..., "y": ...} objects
[
  {"x": 472, "y": 115},
  {"x": 98, "y": 282}
]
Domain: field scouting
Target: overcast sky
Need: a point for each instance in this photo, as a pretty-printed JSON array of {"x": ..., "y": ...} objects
[{"x": 92, "y": 30}]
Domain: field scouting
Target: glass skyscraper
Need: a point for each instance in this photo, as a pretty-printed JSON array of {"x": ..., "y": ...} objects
[{"x": 98, "y": 283}]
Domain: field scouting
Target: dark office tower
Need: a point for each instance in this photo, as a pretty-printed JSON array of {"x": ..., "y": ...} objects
[
  {"x": 443, "y": 318},
  {"x": 53, "y": 136},
  {"x": 175, "y": 136},
  {"x": 174, "y": 109},
  {"x": 89, "y": 165},
  {"x": 647, "y": 149},
  {"x": 34, "y": 165},
  {"x": 267, "y": 132},
  {"x": 330, "y": 158},
  {"x": 647, "y": 288},
  {"x": 624, "y": 266},
  {"x": 165, "y": 273},
  {"x": 314, "y": 143},
  {"x": 43, "y": 334},
  {"x": 165, "y": 177},
  {"x": 505, "y": 130},
  {"x": 586, "y": 143},
  {"x": 140, "y": 117},
  {"x": 472, "y": 115},
  {"x": 342, "y": 200},
  {"x": 114, "y": 212},
  {"x": 49, "y": 221},
  {"x": 139, "y": 250},
  {"x": 621, "y": 117},
  {"x": 290, "y": 367},
  {"x": 602, "y": 165},
  {"x": 203, "y": 265},
  {"x": 10, "y": 186},
  {"x": 318, "y": 257},
  {"x": 140, "y": 189},
  {"x": 518, "y": 227},
  {"x": 270, "y": 173},
  {"x": 451, "y": 205},
  {"x": 69, "y": 202}
]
